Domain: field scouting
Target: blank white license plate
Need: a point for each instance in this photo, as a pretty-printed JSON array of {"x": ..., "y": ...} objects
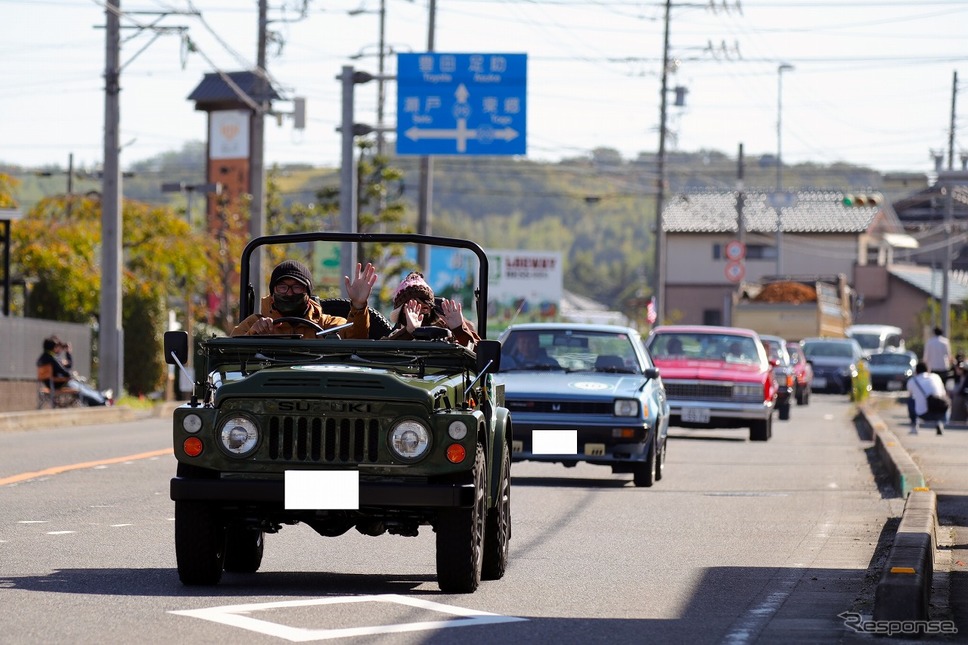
[
  {"x": 322, "y": 490},
  {"x": 893, "y": 385},
  {"x": 554, "y": 442},
  {"x": 695, "y": 415},
  {"x": 819, "y": 382}
]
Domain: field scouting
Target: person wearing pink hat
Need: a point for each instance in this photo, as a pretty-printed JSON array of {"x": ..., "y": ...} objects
[
  {"x": 290, "y": 294},
  {"x": 414, "y": 306}
]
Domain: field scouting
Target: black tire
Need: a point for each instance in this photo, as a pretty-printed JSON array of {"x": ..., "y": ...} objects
[
  {"x": 497, "y": 530},
  {"x": 199, "y": 543},
  {"x": 460, "y": 539},
  {"x": 784, "y": 411},
  {"x": 660, "y": 460},
  {"x": 761, "y": 430},
  {"x": 243, "y": 549},
  {"x": 643, "y": 472}
]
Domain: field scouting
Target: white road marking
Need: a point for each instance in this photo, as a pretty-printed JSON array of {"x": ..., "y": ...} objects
[
  {"x": 749, "y": 625},
  {"x": 32, "y": 522},
  {"x": 114, "y": 526},
  {"x": 60, "y": 532},
  {"x": 234, "y": 616}
]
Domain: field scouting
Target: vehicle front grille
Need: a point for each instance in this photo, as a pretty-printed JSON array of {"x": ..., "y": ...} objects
[
  {"x": 323, "y": 440},
  {"x": 699, "y": 391},
  {"x": 561, "y": 407}
]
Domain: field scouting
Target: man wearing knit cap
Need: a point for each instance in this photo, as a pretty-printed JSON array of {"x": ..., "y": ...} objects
[
  {"x": 290, "y": 294},
  {"x": 414, "y": 306}
]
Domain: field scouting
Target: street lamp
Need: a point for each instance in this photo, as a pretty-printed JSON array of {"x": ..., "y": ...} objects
[
  {"x": 191, "y": 189},
  {"x": 783, "y": 67}
]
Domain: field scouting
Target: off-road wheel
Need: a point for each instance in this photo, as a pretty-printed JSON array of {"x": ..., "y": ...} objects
[
  {"x": 243, "y": 549},
  {"x": 199, "y": 543},
  {"x": 643, "y": 473},
  {"x": 497, "y": 530},
  {"x": 761, "y": 430},
  {"x": 460, "y": 538}
]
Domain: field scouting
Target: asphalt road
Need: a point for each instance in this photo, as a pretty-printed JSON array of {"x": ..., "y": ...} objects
[{"x": 739, "y": 543}]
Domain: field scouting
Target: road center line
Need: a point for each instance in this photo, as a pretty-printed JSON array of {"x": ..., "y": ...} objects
[{"x": 56, "y": 470}]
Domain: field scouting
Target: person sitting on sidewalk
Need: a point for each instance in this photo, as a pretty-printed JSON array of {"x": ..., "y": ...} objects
[
  {"x": 63, "y": 376},
  {"x": 920, "y": 386}
]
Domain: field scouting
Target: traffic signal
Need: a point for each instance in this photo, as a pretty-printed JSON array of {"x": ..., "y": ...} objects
[{"x": 863, "y": 199}]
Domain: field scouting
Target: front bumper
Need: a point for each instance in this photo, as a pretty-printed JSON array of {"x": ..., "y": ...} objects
[
  {"x": 394, "y": 494},
  {"x": 717, "y": 414},
  {"x": 831, "y": 380},
  {"x": 596, "y": 443}
]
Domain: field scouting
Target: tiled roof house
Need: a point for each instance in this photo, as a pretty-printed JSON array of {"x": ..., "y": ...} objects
[{"x": 821, "y": 236}]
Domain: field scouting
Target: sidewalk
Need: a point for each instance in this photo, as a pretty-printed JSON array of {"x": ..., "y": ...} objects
[
  {"x": 29, "y": 419},
  {"x": 942, "y": 462}
]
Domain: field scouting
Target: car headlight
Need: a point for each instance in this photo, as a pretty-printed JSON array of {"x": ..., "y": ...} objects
[
  {"x": 239, "y": 435},
  {"x": 626, "y": 408},
  {"x": 748, "y": 390},
  {"x": 409, "y": 440}
]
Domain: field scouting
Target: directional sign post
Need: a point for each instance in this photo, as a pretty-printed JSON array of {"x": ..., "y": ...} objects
[{"x": 461, "y": 104}]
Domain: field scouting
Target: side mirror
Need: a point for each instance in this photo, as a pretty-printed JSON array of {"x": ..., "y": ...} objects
[
  {"x": 652, "y": 373},
  {"x": 176, "y": 342},
  {"x": 488, "y": 351}
]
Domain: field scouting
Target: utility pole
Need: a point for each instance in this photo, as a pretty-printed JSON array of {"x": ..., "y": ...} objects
[
  {"x": 951, "y": 130},
  {"x": 948, "y": 187},
  {"x": 348, "y": 173},
  {"x": 740, "y": 197},
  {"x": 110, "y": 331},
  {"x": 257, "y": 222},
  {"x": 425, "y": 198},
  {"x": 660, "y": 238},
  {"x": 381, "y": 84}
]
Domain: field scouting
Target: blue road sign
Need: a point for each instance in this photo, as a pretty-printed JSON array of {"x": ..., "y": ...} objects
[{"x": 461, "y": 104}]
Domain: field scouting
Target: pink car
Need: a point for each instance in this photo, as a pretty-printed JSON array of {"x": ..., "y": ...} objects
[{"x": 716, "y": 377}]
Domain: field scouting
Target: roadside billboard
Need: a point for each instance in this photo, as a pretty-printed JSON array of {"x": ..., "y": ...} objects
[{"x": 523, "y": 286}]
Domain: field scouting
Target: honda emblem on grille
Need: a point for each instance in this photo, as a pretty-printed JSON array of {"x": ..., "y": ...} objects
[{"x": 556, "y": 407}]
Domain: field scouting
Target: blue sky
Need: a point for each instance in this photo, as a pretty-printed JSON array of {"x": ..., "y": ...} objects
[{"x": 871, "y": 84}]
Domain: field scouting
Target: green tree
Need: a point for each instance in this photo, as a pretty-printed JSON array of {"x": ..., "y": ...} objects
[{"x": 57, "y": 247}]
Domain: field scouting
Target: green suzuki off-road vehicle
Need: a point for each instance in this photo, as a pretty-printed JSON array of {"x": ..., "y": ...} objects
[{"x": 381, "y": 436}]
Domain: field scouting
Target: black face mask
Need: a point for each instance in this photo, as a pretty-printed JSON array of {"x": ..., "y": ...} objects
[{"x": 291, "y": 304}]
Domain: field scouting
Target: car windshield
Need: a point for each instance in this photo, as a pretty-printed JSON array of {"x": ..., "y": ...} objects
[
  {"x": 567, "y": 349},
  {"x": 828, "y": 350},
  {"x": 775, "y": 350},
  {"x": 720, "y": 347},
  {"x": 890, "y": 359},
  {"x": 867, "y": 341}
]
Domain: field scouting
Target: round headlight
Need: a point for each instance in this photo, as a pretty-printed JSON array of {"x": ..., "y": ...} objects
[
  {"x": 457, "y": 430},
  {"x": 192, "y": 423},
  {"x": 409, "y": 440},
  {"x": 239, "y": 435}
]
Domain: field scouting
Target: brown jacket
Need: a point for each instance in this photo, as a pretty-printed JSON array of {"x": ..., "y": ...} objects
[{"x": 360, "y": 319}]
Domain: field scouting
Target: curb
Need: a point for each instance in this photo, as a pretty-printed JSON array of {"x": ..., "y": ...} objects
[
  {"x": 904, "y": 589},
  {"x": 905, "y": 474},
  {"x": 32, "y": 419}
]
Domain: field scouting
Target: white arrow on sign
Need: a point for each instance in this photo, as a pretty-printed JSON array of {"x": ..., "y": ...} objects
[{"x": 462, "y": 134}]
